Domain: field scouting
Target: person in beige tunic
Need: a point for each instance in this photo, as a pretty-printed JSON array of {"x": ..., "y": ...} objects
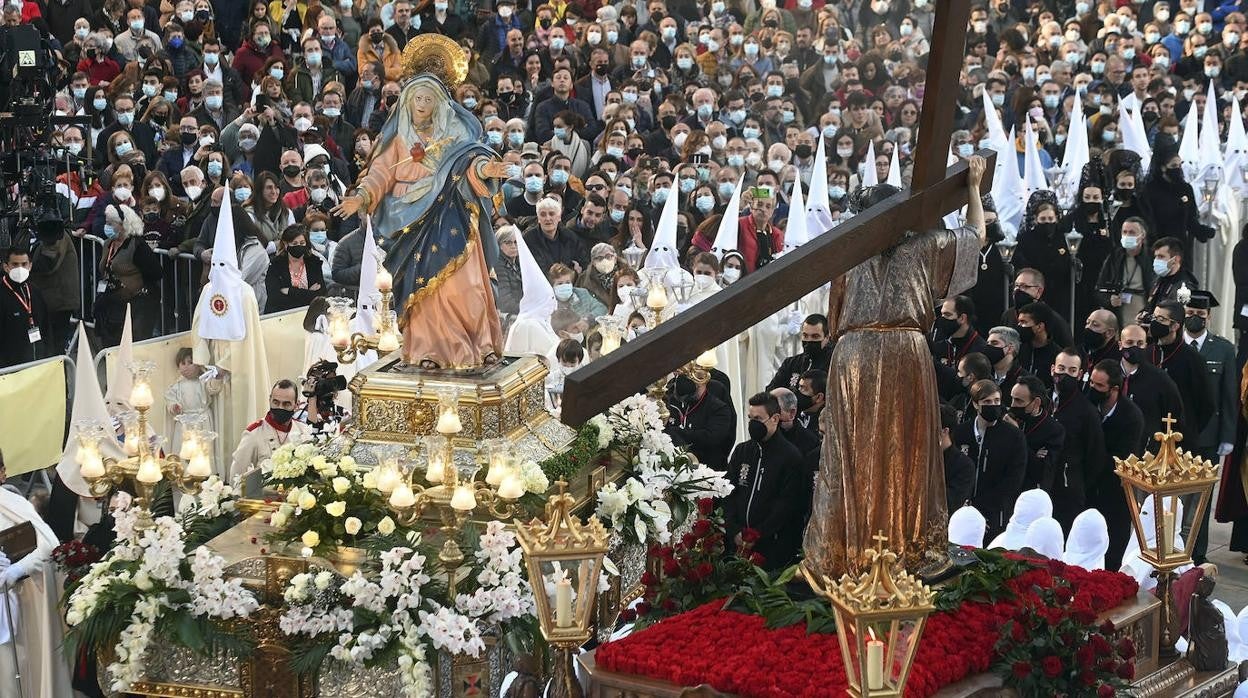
[{"x": 881, "y": 468}]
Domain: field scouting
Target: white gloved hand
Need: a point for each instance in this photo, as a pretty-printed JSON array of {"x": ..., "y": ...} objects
[
  {"x": 794, "y": 323},
  {"x": 1224, "y": 449}
]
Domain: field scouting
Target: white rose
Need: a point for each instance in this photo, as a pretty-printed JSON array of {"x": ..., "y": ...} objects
[
  {"x": 352, "y": 525},
  {"x": 142, "y": 581},
  {"x": 307, "y": 501},
  {"x": 336, "y": 508},
  {"x": 370, "y": 480},
  {"x": 293, "y": 495},
  {"x": 341, "y": 485},
  {"x": 347, "y": 464},
  {"x": 311, "y": 538},
  {"x": 323, "y": 578},
  {"x": 386, "y": 526},
  {"x": 278, "y": 519}
]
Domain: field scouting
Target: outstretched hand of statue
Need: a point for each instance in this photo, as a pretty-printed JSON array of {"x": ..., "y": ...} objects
[
  {"x": 495, "y": 169},
  {"x": 349, "y": 206}
]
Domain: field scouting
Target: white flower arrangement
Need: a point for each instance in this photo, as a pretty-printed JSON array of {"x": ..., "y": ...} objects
[
  {"x": 216, "y": 497},
  {"x": 534, "y": 478},
  {"x": 663, "y": 475},
  {"x": 503, "y": 593},
  {"x": 153, "y": 563}
]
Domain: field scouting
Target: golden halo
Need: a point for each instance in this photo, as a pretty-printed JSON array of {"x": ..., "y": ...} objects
[{"x": 437, "y": 55}]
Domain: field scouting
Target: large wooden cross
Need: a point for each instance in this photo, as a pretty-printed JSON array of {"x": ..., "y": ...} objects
[{"x": 935, "y": 190}]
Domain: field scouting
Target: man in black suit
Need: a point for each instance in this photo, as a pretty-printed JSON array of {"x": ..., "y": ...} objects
[
  {"x": 1040, "y": 344},
  {"x": 1149, "y": 387},
  {"x": 959, "y": 468},
  {"x": 816, "y": 354},
  {"x": 700, "y": 421},
  {"x": 1031, "y": 412},
  {"x": 804, "y": 439},
  {"x": 593, "y": 88},
  {"x": 954, "y": 337},
  {"x": 1122, "y": 423},
  {"x": 1169, "y": 251},
  {"x": 810, "y": 396},
  {"x": 1182, "y": 363},
  {"x": 1083, "y": 455},
  {"x": 999, "y": 452}
]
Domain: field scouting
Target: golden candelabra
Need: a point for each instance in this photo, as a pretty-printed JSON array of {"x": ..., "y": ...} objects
[
  {"x": 349, "y": 345},
  {"x": 1153, "y": 486},
  {"x": 564, "y": 557},
  {"x": 453, "y": 490},
  {"x": 145, "y": 464},
  {"x": 879, "y": 619}
]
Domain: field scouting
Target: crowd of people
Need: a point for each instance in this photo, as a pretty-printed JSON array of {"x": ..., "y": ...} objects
[{"x": 1054, "y": 363}]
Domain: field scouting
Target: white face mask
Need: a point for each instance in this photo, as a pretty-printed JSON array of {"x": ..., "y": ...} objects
[
  {"x": 19, "y": 274},
  {"x": 318, "y": 195},
  {"x": 193, "y": 191},
  {"x": 731, "y": 274},
  {"x": 604, "y": 266},
  {"x": 157, "y": 193}
]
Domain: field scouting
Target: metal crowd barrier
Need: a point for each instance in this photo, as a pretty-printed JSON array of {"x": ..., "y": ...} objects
[{"x": 178, "y": 292}]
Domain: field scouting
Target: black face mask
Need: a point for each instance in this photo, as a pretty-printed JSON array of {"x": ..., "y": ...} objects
[
  {"x": 771, "y": 23},
  {"x": 600, "y": 69},
  {"x": 1066, "y": 384},
  {"x": 545, "y": 23},
  {"x": 1175, "y": 174},
  {"x": 391, "y": 99},
  {"x": 993, "y": 354},
  {"x": 634, "y": 153},
  {"x": 1135, "y": 355},
  {"x": 291, "y": 171},
  {"x": 1158, "y": 329},
  {"x": 189, "y": 138},
  {"x": 802, "y": 151},
  {"x": 668, "y": 122},
  {"x": 991, "y": 413},
  {"x": 1096, "y": 397},
  {"x": 375, "y": 35},
  {"x": 506, "y": 97},
  {"x": 281, "y": 416},
  {"x": 1092, "y": 340},
  {"x": 1122, "y": 194},
  {"x": 757, "y": 430},
  {"x": 1194, "y": 324},
  {"x": 812, "y": 349},
  {"x": 804, "y": 402},
  {"x": 1018, "y": 413},
  {"x": 297, "y": 251},
  {"x": 945, "y": 327},
  {"x": 1021, "y": 298},
  {"x": 1026, "y": 333},
  {"x": 1089, "y": 208},
  {"x": 684, "y": 389},
  {"x": 994, "y": 232},
  {"x": 151, "y": 217},
  {"x": 1046, "y": 229}
]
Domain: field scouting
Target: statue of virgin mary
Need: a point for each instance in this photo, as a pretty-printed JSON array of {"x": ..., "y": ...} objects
[{"x": 428, "y": 185}]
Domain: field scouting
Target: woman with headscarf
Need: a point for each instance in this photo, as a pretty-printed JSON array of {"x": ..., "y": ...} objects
[
  {"x": 1128, "y": 195},
  {"x": 1172, "y": 199},
  {"x": 1089, "y": 218},
  {"x": 1042, "y": 246},
  {"x": 1088, "y": 541}
]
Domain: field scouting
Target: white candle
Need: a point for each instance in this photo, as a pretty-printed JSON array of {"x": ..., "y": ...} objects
[
  {"x": 448, "y": 423},
  {"x": 149, "y": 472},
  {"x": 92, "y": 464},
  {"x": 463, "y": 499},
  {"x": 875, "y": 664},
  {"x": 388, "y": 341},
  {"x": 512, "y": 487},
  {"x": 339, "y": 331},
  {"x": 189, "y": 447},
  {"x": 1167, "y": 533},
  {"x": 200, "y": 466},
  {"x": 402, "y": 497},
  {"x": 436, "y": 470},
  {"x": 498, "y": 469},
  {"x": 656, "y": 298},
  {"x": 387, "y": 479},
  {"x": 384, "y": 280},
  {"x": 141, "y": 395},
  {"x": 610, "y": 342},
  {"x": 563, "y": 603},
  {"x": 132, "y": 443}
]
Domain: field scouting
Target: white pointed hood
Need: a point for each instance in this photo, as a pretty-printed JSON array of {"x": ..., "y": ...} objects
[
  {"x": 996, "y": 130},
  {"x": 88, "y": 408},
  {"x": 818, "y": 208},
  {"x": 1210, "y": 150},
  {"x": 537, "y": 300},
  {"x": 1007, "y": 187},
  {"x": 1033, "y": 169},
  {"x": 1141, "y": 135},
  {"x": 967, "y": 526},
  {"x": 1044, "y": 536},
  {"x": 1088, "y": 541},
  {"x": 796, "y": 233},
  {"x": 1189, "y": 145},
  {"x": 365, "y": 316},
  {"x": 726, "y": 236},
  {"x": 1074, "y": 157},
  {"x": 120, "y": 380},
  {"x": 870, "y": 177},
  {"x": 894, "y": 170},
  {"x": 221, "y": 301},
  {"x": 1236, "y": 140},
  {"x": 663, "y": 252}
]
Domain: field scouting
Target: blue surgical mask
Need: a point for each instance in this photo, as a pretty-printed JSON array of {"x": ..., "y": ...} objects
[
  {"x": 705, "y": 203},
  {"x": 687, "y": 185},
  {"x": 563, "y": 291},
  {"x": 725, "y": 189},
  {"x": 561, "y": 133},
  {"x": 750, "y": 132},
  {"x": 1130, "y": 242},
  {"x": 470, "y": 102},
  {"x": 123, "y": 148},
  {"x": 1160, "y": 266},
  {"x": 736, "y": 116},
  {"x": 559, "y": 177},
  {"x": 617, "y": 215},
  {"x": 109, "y": 232},
  {"x": 513, "y": 171},
  {"x": 125, "y": 118},
  {"x": 533, "y": 184},
  {"x": 615, "y": 151},
  {"x": 1051, "y": 101},
  {"x": 213, "y": 101},
  {"x": 495, "y": 138},
  {"x": 705, "y": 111},
  {"x": 626, "y": 191},
  {"x": 737, "y": 161},
  {"x": 966, "y": 150},
  {"x": 241, "y": 194},
  {"x": 787, "y": 116},
  {"x": 277, "y": 73},
  {"x": 516, "y": 139},
  {"x": 149, "y": 90},
  {"x": 836, "y": 192},
  {"x": 775, "y": 90},
  {"x": 639, "y": 62},
  {"x": 214, "y": 168},
  {"x": 171, "y": 96},
  {"x": 318, "y": 237},
  {"x": 660, "y": 195},
  {"x": 829, "y": 131}
]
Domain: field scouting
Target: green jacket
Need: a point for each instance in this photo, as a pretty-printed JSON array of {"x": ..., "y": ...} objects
[{"x": 299, "y": 83}]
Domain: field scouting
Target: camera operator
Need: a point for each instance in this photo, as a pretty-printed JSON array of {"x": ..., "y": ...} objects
[
  {"x": 320, "y": 391},
  {"x": 55, "y": 273},
  {"x": 24, "y": 326}
]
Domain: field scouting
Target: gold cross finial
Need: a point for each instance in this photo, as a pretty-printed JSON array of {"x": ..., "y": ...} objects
[
  {"x": 880, "y": 539},
  {"x": 563, "y": 486},
  {"x": 1170, "y": 422}
]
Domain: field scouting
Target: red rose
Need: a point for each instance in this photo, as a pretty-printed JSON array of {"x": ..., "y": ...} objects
[
  {"x": 648, "y": 579},
  {"x": 1105, "y": 691},
  {"x": 1052, "y": 666},
  {"x": 1126, "y": 670},
  {"x": 756, "y": 559},
  {"x": 689, "y": 540},
  {"x": 1063, "y": 594},
  {"x": 1084, "y": 616},
  {"x": 1022, "y": 670},
  {"x": 670, "y": 567},
  {"x": 1126, "y": 648},
  {"x": 1107, "y": 628},
  {"x": 628, "y": 615},
  {"x": 749, "y": 535},
  {"x": 1085, "y": 655},
  {"x": 1100, "y": 645},
  {"x": 706, "y": 506},
  {"x": 701, "y": 527},
  {"x": 643, "y": 609},
  {"x": 704, "y": 570},
  {"x": 1087, "y": 678}
]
